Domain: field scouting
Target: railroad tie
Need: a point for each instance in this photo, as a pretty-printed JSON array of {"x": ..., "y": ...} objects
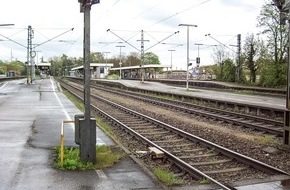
[
  {"x": 210, "y": 162},
  {"x": 237, "y": 169},
  {"x": 199, "y": 156}
]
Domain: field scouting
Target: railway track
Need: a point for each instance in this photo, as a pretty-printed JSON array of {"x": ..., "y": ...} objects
[
  {"x": 193, "y": 155},
  {"x": 262, "y": 124},
  {"x": 250, "y": 109}
]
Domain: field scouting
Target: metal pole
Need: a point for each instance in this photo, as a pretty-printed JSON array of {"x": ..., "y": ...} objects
[
  {"x": 187, "y": 64},
  {"x": 239, "y": 57},
  {"x": 187, "y": 57},
  {"x": 171, "y": 50},
  {"x": 287, "y": 112},
  {"x": 28, "y": 56},
  {"x": 120, "y": 63}
]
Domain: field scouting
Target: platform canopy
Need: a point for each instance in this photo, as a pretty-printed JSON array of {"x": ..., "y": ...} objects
[
  {"x": 139, "y": 67},
  {"x": 94, "y": 65}
]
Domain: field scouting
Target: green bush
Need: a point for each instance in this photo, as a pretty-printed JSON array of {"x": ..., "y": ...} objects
[{"x": 113, "y": 77}]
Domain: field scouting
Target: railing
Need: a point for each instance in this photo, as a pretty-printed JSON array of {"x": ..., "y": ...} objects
[{"x": 62, "y": 140}]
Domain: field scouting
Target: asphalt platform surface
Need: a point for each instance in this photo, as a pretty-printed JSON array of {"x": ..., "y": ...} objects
[
  {"x": 259, "y": 100},
  {"x": 30, "y": 121}
]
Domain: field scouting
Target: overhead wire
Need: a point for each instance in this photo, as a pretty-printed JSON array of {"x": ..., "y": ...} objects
[{"x": 180, "y": 12}]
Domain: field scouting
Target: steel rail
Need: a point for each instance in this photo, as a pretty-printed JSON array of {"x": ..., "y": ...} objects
[
  {"x": 178, "y": 162},
  {"x": 239, "y": 157},
  {"x": 207, "y": 112}
]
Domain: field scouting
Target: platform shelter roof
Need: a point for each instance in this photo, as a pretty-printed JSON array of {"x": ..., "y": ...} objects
[
  {"x": 94, "y": 65},
  {"x": 44, "y": 64},
  {"x": 139, "y": 67}
]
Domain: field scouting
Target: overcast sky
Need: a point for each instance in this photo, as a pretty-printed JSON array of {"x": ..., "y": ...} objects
[{"x": 159, "y": 19}]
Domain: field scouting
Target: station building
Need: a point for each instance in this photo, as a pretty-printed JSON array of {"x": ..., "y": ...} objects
[
  {"x": 44, "y": 68},
  {"x": 98, "y": 70}
]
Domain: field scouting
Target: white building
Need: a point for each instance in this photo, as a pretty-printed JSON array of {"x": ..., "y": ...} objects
[{"x": 98, "y": 70}]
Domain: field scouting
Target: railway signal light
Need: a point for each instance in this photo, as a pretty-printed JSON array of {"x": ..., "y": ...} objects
[{"x": 198, "y": 60}]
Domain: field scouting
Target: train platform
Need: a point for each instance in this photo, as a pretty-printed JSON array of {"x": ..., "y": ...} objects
[
  {"x": 259, "y": 100},
  {"x": 30, "y": 121}
]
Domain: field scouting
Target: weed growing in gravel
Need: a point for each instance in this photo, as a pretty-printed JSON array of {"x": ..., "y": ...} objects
[
  {"x": 105, "y": 157},
  {"x": 268, "y": 140},
  {"x": 167, "y": 177},
  {"x": 204, "y": 181}
]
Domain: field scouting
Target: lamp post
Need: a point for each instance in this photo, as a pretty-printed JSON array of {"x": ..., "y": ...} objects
[
  {"x": 120, "y": 63},
  {"x": 106, "y": 52},
  {"x": 171, "y": 50},
  {"x": 187, "y": 63}
]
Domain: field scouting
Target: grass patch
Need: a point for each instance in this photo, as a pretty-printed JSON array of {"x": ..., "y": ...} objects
[
  {"x": 204, "y": 181},
  {"x": 104, "y": 155},
  {"x": 167, "y": 177},
  {"x": 113, "y": 77},
  {"x": 269, "y": 140}
]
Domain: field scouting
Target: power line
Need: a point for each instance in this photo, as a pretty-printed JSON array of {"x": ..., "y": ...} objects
[{"x": 178, "y": 13}]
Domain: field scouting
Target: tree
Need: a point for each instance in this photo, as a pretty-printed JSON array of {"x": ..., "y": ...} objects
[
  {"x": 16, "y": 66},
  {"x": 277, "y": 42},
  {"x": 229, "y": 69},
  {"x": 96, "y": 57},
  {"x": 151, "y": 58},
  {"x": 219, "y": 56},
  {"x": 250, "y": 53},
  {"x": 133, "y": 59}
]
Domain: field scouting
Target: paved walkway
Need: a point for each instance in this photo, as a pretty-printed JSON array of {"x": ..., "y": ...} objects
[
  {"x": 30, "y": 120},
  {"x": 279, "y": 103}
]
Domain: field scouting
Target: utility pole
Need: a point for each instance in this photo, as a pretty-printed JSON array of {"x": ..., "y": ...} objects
[
  {"x": 187, "y": 62},
  {"x": 87, "y": 127},
  {"x": 142, "y": 47},
  {"x": 284, "y": 7},
  {"x": 239, "y": 58},
  {"x": 171, "y": 50},
  {"x": 29, "y": 47},
  {"x": 120, "y": 63},
  {"x": 142, "y": 55}
]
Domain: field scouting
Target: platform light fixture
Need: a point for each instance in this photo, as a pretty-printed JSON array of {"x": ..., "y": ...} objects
[{"x": 187, "y": 62}]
